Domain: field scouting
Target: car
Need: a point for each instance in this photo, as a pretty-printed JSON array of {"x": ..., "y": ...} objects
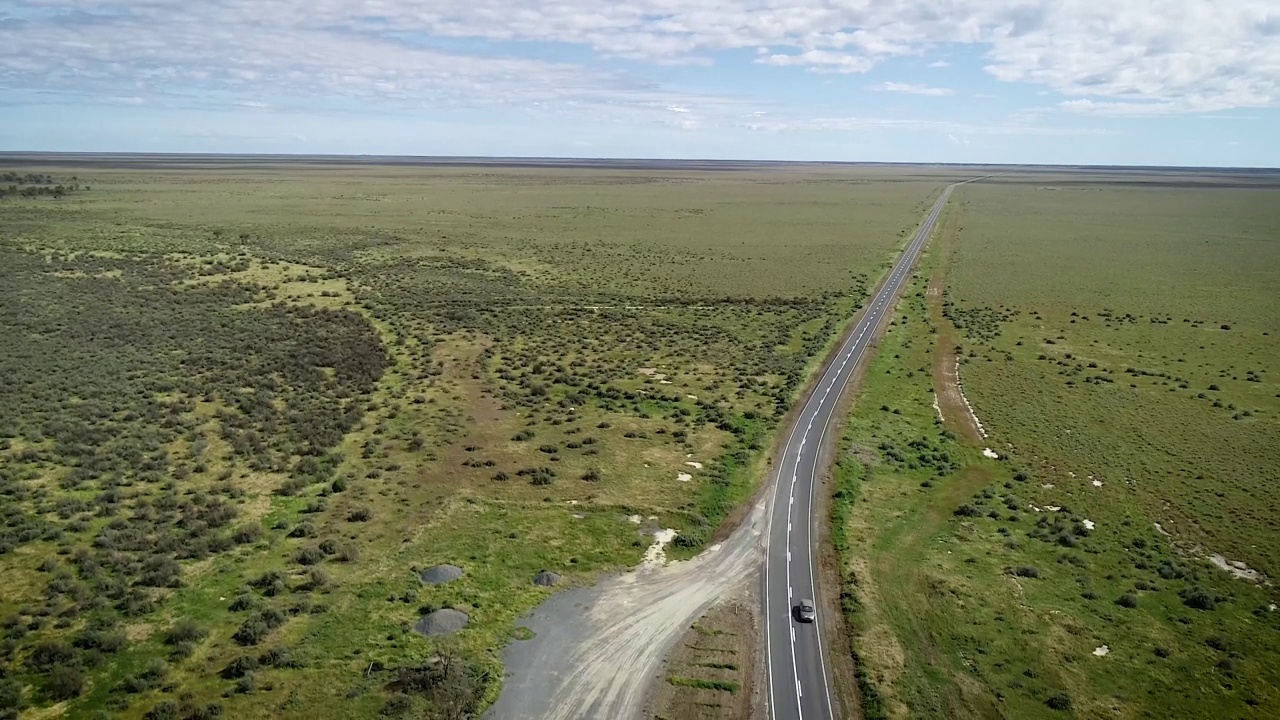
[{"x": 805, "y": 612}]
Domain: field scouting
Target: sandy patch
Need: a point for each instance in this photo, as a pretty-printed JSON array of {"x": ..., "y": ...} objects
[
  {"x": 1101, "y": 650},
  {"x": 634, "y": 518},
  {"x": 694, "y": 464},
  {"x": 652, "y": 372},
  {"x": 1097, "y": 483},
  {"x": 989, "y": 453},
  {"x": 937, "y": 409},
  {"x": 656, "y": 555},
  {"x": 1088, "y": 524},
  {"x": 684, "y": 477},
  {"x": 1236, "y": 568},
  {"x": 1160, "y": 529}
]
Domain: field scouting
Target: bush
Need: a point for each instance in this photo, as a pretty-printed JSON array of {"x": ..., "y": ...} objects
[
  {"x": 350, "y": 552},
  {"x": 1217, "y": 642},
  {"x": 243, "y": 601},
  {"x": 592, "y": 475},
  {"x": 184, "y": 631},
  {"x": 501, "y": 476},
  {"x": 522, "y": 436},
  {"x": 1161, "y": 652},
  {"x": 247, "y": 533},
  {"x": 1059, "y": 701},
  {"x": 317, "y": 579},
  {"x": 1198, "y": 599},
  {"x": 164, "y": 710},
  {"x": 1127, "y": 600},
  {"x": 239, "y": 667},
  {"x": 251, "y": 632},
  {"x": 303, "y": 529},
  {"x": 688, "y": 540},
  {"x": 149, "y": 678},
  {"x": 1027, "y": 571},
  {"x": 64, "y": 683},
  {"x": 967, "y": 510},
  {"x": 278, "y": 657},
  {"x": 308, "y": 556},
  {"x": 397, "y": 705},
  {"x": 51, "y": 654},
  {"x": 360, "y": 514}
]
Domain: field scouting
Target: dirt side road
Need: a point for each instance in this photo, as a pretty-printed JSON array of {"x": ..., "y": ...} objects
[{"x": 595, "y": 650}]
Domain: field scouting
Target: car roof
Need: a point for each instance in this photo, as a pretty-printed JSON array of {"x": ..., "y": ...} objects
[{"x": 807, "y": 603}]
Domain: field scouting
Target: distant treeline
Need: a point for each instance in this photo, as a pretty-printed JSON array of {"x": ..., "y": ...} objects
[{"x": 31, "y": 185}]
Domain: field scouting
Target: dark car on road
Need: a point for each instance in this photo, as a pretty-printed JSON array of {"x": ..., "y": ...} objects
[{"x": 804, "y": 611}]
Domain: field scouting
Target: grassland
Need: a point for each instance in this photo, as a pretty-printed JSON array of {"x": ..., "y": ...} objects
[
  {"x": 244, "y": 408},
  {"x": 1118, "y": 343}
]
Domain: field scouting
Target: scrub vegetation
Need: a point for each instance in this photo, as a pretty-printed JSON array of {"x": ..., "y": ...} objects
[
  {"x": 243, "y": 409},
  {"x": 1118, "y": 345}
]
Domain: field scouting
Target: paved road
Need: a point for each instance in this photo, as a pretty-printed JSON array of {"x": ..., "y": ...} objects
[{"x": 799, "y": 684}]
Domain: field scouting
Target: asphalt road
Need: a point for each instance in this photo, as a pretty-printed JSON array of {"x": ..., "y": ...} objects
[{"x": 799, "y": 684}]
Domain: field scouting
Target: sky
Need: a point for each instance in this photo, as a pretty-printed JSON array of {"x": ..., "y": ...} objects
[{"x": 1129, "y": 82}]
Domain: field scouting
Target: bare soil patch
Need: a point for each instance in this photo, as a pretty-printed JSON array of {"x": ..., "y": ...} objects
[{"x": 711, "y": 674}]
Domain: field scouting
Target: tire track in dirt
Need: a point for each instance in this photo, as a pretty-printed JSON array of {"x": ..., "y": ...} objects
[
  {"x": 595, "y": 649},
  {"x": 957, "y": 414}
]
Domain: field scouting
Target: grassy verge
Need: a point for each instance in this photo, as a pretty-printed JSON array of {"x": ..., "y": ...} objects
[{"x": 1009, "y": 588}]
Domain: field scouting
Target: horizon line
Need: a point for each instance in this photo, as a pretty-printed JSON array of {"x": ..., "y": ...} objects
[{"x": 603, "y": 161}]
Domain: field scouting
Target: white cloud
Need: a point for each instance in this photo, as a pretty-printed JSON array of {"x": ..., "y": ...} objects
[
  {"x": 824, "y": 61},
  {"x": 859, "y": 124},
  {"x": 939, "y": 64},
  {"x": 1130, "y": 57},
  {"x": 910, "y": 89}
]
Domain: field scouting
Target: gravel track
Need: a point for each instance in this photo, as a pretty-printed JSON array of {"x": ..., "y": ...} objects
[{"x": 596, "y": 650}]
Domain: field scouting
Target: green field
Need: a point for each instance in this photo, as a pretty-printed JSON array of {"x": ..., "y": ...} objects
[
  {"x": 1119, "y": 344},
  {"x": 242, "y": 408}
]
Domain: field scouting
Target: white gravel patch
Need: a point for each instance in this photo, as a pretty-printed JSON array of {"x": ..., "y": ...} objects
[
  {"x": 1053, "y": 508},
  {"x": 1097, "y": 483},
  {"x": 1160, "y": 529},
  {"x": 988, "y": 452},
  {"x": 1236, "y": 568},
  {"x": 694, "y": 464},
  {"x": 1088, "y": 524},
  {"x": 634, "y": 518},
  {"x": 969, "y": 406},
  {"x": 656, "y": 555},
  {"x": 684, "y": 477},
  {"x": 1101, "y": 650}
]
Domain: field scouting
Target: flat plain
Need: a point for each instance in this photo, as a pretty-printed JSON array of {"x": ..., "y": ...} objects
[
  {"x": 1117, "y": 343},
  {"x": 250, "y": 413}
]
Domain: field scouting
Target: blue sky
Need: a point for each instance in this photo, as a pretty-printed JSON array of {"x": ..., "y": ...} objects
[{"x": 1152, "y": 82}]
